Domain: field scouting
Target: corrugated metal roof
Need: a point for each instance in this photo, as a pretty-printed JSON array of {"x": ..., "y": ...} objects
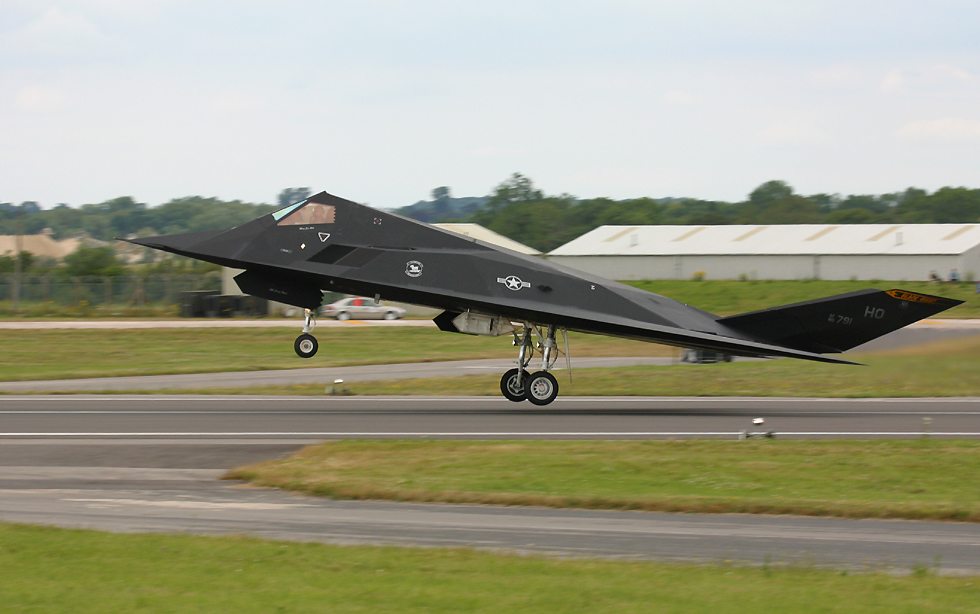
[
  {"x": 774, "y": 239},
  {"x": 480, "y": 233}
]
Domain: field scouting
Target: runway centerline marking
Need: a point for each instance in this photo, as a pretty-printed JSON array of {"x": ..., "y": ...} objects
[
  {"x": 568, "y": 400},
  {"x": 327, "y": 410},
  {"x": 493, "y": 434}
]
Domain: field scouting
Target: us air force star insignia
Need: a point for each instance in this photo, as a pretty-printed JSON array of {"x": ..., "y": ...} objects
[
  {"x": 323, "y": 236},
  {"x": 513, "y": 282},
  {"x": 413, "y": 268}
]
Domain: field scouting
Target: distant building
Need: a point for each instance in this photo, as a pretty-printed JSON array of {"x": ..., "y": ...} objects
[
  {"x": 42, "y": 245},
  {"x": 792, "y": 251}
]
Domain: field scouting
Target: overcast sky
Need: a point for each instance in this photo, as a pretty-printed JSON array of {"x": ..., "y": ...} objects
[{"x": 380, "y": 101}]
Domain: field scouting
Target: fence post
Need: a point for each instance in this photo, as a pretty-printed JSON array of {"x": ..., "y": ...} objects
[{"x": 138, "y": 298}]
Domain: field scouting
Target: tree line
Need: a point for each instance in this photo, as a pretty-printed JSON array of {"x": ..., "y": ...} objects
[
  {"x": 518, "y": 209},
  {"x": 125, "y": 216}
]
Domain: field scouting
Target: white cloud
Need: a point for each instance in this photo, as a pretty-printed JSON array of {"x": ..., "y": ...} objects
[
  {"x": 933, "y": 78},
  {"x": 793, "y": 132},
  {"x": 57, "y": 31},
  {"x": 679, "y": 97},
  {"x": 841, "y": 75},
  {"x": 943, "y": 130},
  {"x": 39, "y": 98},
  {"x": 894, "y": 81},
  {"x": 237, "y": 102},
  {"x": 956, "y": 72}
]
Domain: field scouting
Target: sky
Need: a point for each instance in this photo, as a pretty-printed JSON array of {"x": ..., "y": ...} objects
[{"x": 381, "y": 101}]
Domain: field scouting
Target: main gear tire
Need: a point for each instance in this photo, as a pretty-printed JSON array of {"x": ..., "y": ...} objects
[
  {"x": 512, "y": 389},
  {"x": 541, "y": 388}
]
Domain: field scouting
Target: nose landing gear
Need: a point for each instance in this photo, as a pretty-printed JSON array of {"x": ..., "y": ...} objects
[
  {"x": 540, "y": 387},
  {"x": 306, "y": 345}
]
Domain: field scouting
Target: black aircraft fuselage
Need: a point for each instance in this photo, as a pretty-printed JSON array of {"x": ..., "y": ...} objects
[{"x": 328, "y": 243}]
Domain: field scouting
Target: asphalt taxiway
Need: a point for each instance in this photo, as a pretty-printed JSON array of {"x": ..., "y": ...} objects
[
  {"x": 193, "y": 500},
  {"x": 311, "y": 418},
  {"x": 153, "y": 463}
]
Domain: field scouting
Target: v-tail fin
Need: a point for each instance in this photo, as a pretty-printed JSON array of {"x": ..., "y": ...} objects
[{"x": 838, "y": 323}]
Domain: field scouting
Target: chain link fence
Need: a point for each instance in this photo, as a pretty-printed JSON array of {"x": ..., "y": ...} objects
[{"x": 134, "y": 291}]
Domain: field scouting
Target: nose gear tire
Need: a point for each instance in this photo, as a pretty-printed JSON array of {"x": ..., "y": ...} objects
[{"x": 305, "y": 345}]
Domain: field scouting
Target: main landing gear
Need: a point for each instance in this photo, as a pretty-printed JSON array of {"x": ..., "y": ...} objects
[
  {"x": 540, "y": 387},
  {"x": 306, "y": 345}
]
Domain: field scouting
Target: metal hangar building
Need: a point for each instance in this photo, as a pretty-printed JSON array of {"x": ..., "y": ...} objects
[{"x": 792, "y": 251}]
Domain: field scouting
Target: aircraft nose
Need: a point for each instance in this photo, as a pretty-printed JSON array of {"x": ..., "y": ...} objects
[{"x": 179, "y": 244}]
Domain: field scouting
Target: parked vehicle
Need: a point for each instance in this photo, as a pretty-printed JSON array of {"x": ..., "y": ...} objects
[
  {"x": 704, "y": 356},
  {"x": 361, "y": 308}
]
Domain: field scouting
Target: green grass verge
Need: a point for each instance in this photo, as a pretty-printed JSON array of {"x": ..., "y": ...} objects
[
  {"x": 53, "y": 354},
  {"x": 723, "y": 297},
  {"x": 730, "y": 297},
  {"x": 49, "y": 310},
  {"x": 942, "y": 369},
  {"x": 59, "y": 570},
  {"x": 860, "y": 479}
]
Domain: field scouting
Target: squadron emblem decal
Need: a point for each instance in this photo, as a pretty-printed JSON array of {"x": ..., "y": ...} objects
[
  {"x": 513, "y": 282},
  {"x": 413, "y": 268}
]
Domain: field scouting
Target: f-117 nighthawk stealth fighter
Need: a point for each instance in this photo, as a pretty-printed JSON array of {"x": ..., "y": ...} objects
[{"x": 326, "y": 243}]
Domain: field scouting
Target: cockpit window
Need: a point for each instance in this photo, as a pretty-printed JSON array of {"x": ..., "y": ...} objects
[
  {"x": 312, "y": 213},
  {"x": 278, "y": 215}
]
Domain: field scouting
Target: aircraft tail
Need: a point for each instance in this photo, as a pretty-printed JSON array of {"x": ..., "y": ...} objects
[{"x": 838, "y": 323}]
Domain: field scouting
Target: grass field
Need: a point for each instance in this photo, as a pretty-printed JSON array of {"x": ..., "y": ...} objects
[
  {"x": 724, "y": 297},
  {"x": 52, "y": 354},
  {"x": 58, "y": 570},
  {"x": 862, "y": 479},
  {"x": 942, "y": 369}
]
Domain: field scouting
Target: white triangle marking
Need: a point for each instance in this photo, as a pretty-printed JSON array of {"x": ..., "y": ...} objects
[{"x": 323, "y": 236}]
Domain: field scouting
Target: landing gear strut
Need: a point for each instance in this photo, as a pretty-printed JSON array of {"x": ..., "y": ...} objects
[
  {"x": 540, "y": 387},
  {"x": 306, "y": 345}
]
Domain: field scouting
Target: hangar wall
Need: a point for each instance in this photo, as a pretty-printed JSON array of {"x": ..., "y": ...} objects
[
  {"x": 835, "y": 267},
  {"x": 777, "y": 251}
]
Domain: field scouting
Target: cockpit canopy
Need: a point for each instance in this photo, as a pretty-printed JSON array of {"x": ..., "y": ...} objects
[{"x": 306, "y": 213}]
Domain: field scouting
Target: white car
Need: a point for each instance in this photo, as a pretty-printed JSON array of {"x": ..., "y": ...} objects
[{"x": 361, "y": 308}]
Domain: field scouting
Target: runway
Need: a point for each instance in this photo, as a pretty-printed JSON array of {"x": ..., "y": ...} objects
[
  {"x": 135, "y": 463},
  {"x": 314, "y": 418}
]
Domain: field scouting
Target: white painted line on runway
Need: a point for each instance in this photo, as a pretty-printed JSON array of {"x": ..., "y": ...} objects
[
  {"x": 252, "y": 412},
  {"x": 495, "y": 434},
  {"x": 369, "y": 434},
  {"x": 158, "y": 398}
]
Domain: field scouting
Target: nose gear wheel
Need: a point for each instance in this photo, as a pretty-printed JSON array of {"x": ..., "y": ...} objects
[{"x": 305, "y": 345}]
